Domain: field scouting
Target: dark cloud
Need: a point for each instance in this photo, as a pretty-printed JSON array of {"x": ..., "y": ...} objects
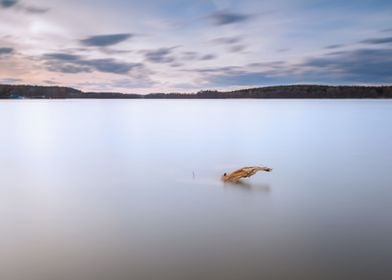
[
  {"x": 176, "y": 64},
  {"x": 376, "y": 41},
  {"x": 22, "y": 7},
  {"x": 5, "y": 51},
  {"x": 208, "y": 57},
  {"x": 269, "y": 64},
  {"x": 63, "y": 57},
  {"x": 50, "y": 82},
  {"x": 10, "y": 81},
  {"x": 344, "y": 67},
  {"x": 387, "y": 30},
  {"x": 232, "y": 44},
  {"x": 361, "y": 65},
  {"x": 161, "y": 55},
  {"x": 112, "y": 51},
  {"x": 65, "y": 63},
  {"x": 68, "y": 68},
  {"x": 216, "y": 70},
  {"x": 227, "y": 40},
  {"x": 255, "y": 78},
  {"x": 224, "y": 18},
  {"x": 335, "y": 46},
  {"x": 8, "y": 3},
  {"x": 336, "y": 53},
  {"x": 69, "y": 63},
  {"x": 189, "y": 56},
  {"x": 106, "y": 40},
  {"x": 237, "y": 48},
  {"x": 282, "y": 50},
  {"x": 111, "y": 66},
  {"x": 250, "y": 75},
  {"x": 36, "y": 10},
  {"x": 236, "y": 76}
]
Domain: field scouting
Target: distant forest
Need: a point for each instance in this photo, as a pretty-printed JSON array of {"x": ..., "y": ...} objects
[{"x": 291, "y": 91}]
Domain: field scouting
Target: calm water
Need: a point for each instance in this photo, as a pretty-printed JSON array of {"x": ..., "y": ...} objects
[{"x": 129, "y": 189}]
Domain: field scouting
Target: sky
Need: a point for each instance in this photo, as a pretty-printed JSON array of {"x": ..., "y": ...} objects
[{"x": 190, "y": 45}]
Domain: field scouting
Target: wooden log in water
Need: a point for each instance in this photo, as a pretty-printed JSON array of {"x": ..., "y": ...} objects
[{"x": 244, "y": 172}]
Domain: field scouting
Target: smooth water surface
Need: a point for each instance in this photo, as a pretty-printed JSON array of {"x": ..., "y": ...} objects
[{"x": 130, "y": 189}]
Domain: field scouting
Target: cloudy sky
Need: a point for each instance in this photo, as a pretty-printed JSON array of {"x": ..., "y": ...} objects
[{"x": 189, "y": 45}]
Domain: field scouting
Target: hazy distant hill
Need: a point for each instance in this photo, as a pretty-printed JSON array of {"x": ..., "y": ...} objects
[
  {"x": 23, "y": 91},
  {"x": 293, "y": 91}
]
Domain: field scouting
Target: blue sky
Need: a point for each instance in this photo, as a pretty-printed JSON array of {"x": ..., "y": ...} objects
[{"x": 189, "y": 45}]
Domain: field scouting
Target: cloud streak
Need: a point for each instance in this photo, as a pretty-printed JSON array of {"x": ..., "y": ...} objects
[
  {"x": 208, "y": 57},
  {"x": 6, "y": 51},
  {"x": 232, "y": 44},
  {"x": 106, "y": 40},
  {"x": 334, "y": 46},
  {"x": 8, "y": 3},
  {"x": 377, "y": 41},
  {"x": 225, "y": 18},
  {"x": 35, "y": 10},
  {"x": 360, "y": 65},
  {"x": 194, "y": 56},
  {"x": 10, "y": 81},
  {"x": 68, "y": 63},
  {"x": 161, "y": 55},
  {"x": 355, "y": 66},
  {"x": 228, "y": 40}
]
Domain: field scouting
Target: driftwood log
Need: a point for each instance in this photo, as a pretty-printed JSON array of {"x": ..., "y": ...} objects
[{"x": 244, "y": 172}]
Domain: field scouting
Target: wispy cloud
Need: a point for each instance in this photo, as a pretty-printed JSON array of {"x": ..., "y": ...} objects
[
  {"x": 193, "y": 56},
  {"x": 109, "y": 65},
  {"x": 10, "y": 81},
  {"x": 8, "y": 3},
  {"x": 224, "y": 18},
  {"x": 62, "y": 57},
  {"x": 140, "y": 82},
  {"x": 161, "y": 55},
  {"x": 20, "y": 6},
  {"x": 376, "y": 41},
  {"x": 232, "y": 44},
  {"x": 334, "y": 46},
  {"x": 237, "y": 48},
  {"x": 228, "y": 40},
  {"x": 6, "y": 51},
  {"x": 36, "y": 9},
  {"x": 353, "y": 66},
  {"x": 360, "y": 65},
  {"x": 190, "y": 55},
  {"x": 208, "y": 57},
  {"x": 106, "y": 40},
  {"x": 68, "y": 63}
]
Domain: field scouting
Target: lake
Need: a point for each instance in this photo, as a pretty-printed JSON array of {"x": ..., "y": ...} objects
[{"x": 130, "y": 189}]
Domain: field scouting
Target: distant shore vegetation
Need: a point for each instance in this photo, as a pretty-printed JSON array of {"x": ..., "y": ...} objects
[{"x": 290, "y": 91}]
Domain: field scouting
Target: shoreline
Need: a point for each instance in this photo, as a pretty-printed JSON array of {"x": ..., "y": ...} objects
[{"x": 274, "y": 92}]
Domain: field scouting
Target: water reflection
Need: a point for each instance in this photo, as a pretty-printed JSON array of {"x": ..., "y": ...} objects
[
  {"x": 130, "y": 189},
  {"x": 248, "y": 186}
]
